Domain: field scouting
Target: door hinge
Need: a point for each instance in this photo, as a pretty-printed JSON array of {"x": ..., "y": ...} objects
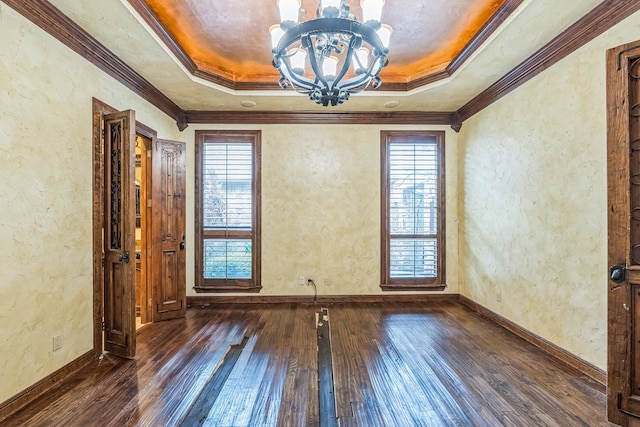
[
  {"x": 149, "y": 153},
  {"x": 104, "y": 326}
]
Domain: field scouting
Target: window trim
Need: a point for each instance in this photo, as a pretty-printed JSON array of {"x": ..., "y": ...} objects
[
  {"x": 422, "y": 283},
  {"x": 229, "y": 285}
]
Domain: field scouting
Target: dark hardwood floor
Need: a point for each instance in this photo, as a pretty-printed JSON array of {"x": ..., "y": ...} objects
[{"x": 394, "y": 364}]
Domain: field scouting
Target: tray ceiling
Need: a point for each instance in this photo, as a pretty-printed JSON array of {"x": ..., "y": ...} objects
[
  {"x": 231, "y": 39},
  {"x": 228, "y": 43}
]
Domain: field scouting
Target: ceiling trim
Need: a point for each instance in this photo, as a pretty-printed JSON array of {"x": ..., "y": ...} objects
[
  {"x": 145, "y": 12},
  {"x": 496, "y": 20},
  {"x": 53, "y": 21},
  {"x": 314, "y": 117},
  {"x": 600, "y": 19}
]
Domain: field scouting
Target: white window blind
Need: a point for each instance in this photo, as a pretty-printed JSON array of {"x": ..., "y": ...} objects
[
  {"x": 227, "y": 187},
  {"x": 227, "y": 194}
]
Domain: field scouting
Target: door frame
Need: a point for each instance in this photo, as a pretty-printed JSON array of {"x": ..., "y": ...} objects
[
  {"x": 99, "y": 109},
  {"x": 149, "y": 137}
]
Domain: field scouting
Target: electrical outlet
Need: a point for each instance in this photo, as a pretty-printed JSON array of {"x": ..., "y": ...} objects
[
  {"x": 57, "y": 342},
  {"x": 302, "y": 280},
  {"x": 327, "y": 282},
  {"x": 498, "y": 297}
]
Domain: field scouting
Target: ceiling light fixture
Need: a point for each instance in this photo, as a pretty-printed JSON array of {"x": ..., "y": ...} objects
[{"x": 345, "y": 56}]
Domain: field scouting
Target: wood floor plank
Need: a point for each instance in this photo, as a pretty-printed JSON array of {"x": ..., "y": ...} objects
[
  {"x": 299, "y": 400},
  {"x": 394, "y": 364}
]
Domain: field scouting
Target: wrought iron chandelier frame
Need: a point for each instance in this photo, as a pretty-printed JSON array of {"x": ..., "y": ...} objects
[{"x": 321, "y": 37}]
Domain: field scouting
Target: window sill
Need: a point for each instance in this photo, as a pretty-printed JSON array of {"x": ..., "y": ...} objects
[
  {"x": 408, "y": 287},
  {"x": 227, "y": 289}
]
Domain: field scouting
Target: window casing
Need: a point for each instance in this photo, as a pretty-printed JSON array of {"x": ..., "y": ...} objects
[
  {"x": 413, "y": 210},
  {"x": 227, "y": 211}
]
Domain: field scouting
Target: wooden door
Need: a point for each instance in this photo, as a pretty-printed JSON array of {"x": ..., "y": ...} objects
[
  {"x": 168, "y": 230},
  {"x": 119, "y": 233},
  {"x": 623, "y": 151}
]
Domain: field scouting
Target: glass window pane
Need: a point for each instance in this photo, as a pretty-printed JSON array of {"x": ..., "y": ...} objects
[
  {"x": 413, "y": 188},
  {"x": 227, "y": 189},
  {"x": 413, "y": 258},
  {"x": 227, "y": 259}
]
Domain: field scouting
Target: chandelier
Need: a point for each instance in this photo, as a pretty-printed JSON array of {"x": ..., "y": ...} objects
[{"x": 332, "y": 56}]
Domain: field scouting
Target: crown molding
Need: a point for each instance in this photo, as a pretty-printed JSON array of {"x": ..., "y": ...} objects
[
  {"x": 604, "y": 16},
  {"x": 145, "y": 12},
  {"x": 313, "y": 117},
  {"x": 494, "y": 22},
  {"x": 498, "y": 18},
  {"x": 53, "y": 21}
]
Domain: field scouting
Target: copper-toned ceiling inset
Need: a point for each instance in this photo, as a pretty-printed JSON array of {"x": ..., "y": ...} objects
[{"x": 231, "y": 38}]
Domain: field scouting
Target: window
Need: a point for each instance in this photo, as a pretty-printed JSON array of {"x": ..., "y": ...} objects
[
  {"x": 227, "y": 211},
  {"x": 412, "y": 210}
]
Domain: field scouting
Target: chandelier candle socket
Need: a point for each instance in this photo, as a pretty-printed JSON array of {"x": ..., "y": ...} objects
[{"x": 333, "y": 56}]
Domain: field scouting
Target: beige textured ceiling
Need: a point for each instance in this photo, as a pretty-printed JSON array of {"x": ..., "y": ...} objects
[{"x": 116, "y": 24}]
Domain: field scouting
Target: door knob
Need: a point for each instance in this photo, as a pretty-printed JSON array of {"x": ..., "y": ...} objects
[{"x": 617, "y": 273}]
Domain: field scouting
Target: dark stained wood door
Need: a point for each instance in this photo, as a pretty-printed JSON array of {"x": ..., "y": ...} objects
[
  {"x": 119, "y": 233},
  {"x": 168, "y": 230},
  {"x": 623, "y": 150}
]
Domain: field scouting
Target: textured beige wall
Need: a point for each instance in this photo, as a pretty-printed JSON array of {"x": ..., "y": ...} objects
[
  {"x": 533, "y": 190},
  {"x": 532, "y": 184},
  {"x": 45, "y": 192},
  {"x": 321, "y": 208},
  {"x": 320, "y": 202}
]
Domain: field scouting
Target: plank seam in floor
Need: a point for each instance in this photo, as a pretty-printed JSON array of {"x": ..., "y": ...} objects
[
  {"x": 326, "y": 392},
  {"x": 197, "y": 414}
]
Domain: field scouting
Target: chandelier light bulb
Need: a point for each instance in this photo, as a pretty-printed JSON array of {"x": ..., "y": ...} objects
[
  {"x": 331, "y": 3},
  {"x": 331, "y": 8},
  {"x": 298, "y": 60},
  {"x": 289, "y": 10},
  {"x": 276, "y": 34},
  {"x": 330, "y": 67},
  {"x": 361, "y": 62},
  {"x": 384, "y": 33},
  {"x": 372, "y": 10}
]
